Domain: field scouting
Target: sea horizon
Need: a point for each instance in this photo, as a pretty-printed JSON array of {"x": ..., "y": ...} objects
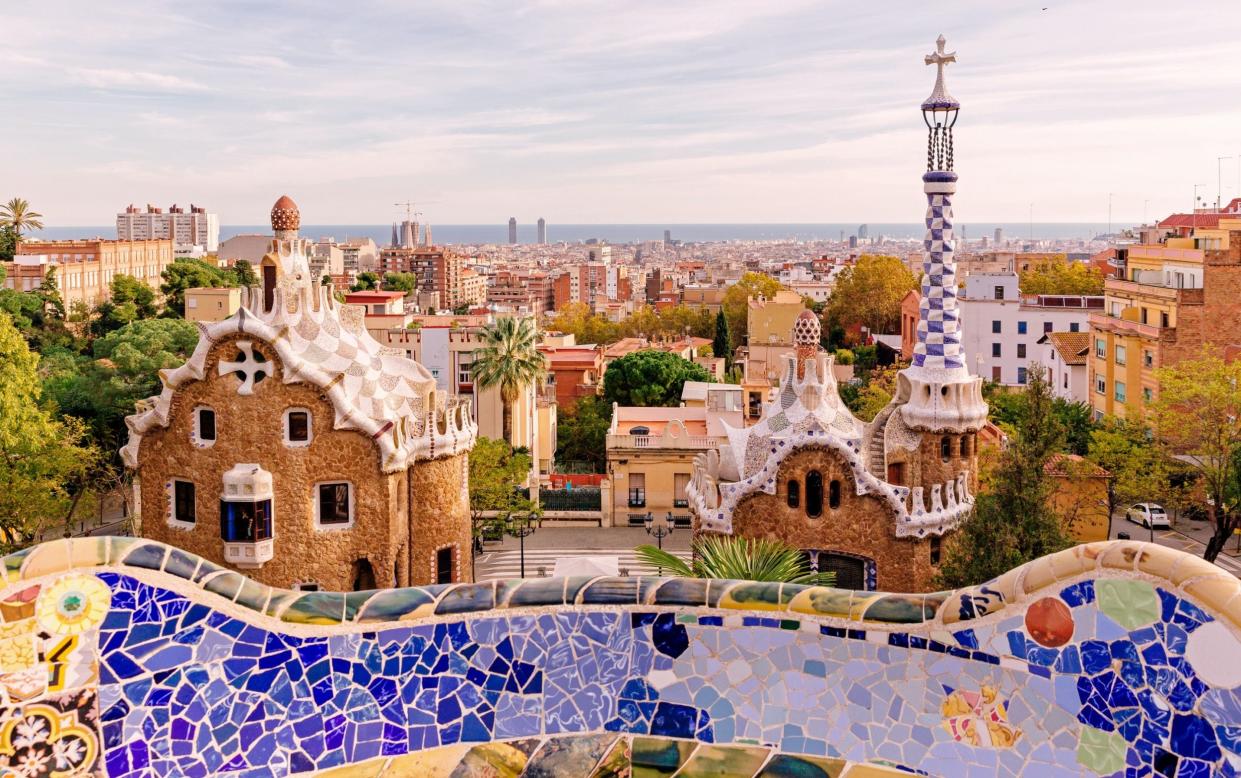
[{"x": 483, "y": 234}]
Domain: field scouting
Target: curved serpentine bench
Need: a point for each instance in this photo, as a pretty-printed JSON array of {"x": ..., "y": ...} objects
[{"x": 128, "y": 657}]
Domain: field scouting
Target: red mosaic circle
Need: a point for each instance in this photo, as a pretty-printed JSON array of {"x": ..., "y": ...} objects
[{"x": 1050, "y": 622}]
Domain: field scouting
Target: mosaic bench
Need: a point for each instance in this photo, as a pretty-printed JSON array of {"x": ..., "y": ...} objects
[{"x": 125, "y": 657}]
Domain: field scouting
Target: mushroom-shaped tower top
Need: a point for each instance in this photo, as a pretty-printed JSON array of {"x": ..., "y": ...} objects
[
  {"x": 806, "y": 329},
  {"x": 285, "y": 217}
]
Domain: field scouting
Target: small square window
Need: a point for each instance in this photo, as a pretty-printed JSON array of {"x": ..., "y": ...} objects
[
  {"x": 1073, "y": 327},
  {"x": 995, "y": 349},
  {"x": 1021, "y": 328},
  {"x": 183, "y": 509},
  {"x": 1021, "y": 351},
  {"x": 334, "y": 504},
  {"x": 1046, "y": 326},
  {"x": 995, "y": 327},
  {"x": 297, "y": 427},
  {"x": 1021, "y": 375}
]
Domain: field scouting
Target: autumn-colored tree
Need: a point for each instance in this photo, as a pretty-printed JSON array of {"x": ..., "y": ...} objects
[
  {"x": 869, "y": 294},
  {"x": 1057, "y": 275},
  {"x": 1137, "y": 466},
  {"x": 586, "y": 327},
  {"x": 736, "y": 302},
  {"x": 1197, "y": 417}
]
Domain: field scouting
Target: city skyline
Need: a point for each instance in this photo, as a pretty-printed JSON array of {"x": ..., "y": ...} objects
[{"x": 599, "y": 115}]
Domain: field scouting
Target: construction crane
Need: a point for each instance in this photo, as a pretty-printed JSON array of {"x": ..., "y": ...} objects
[{"x": 409, "y": 208}]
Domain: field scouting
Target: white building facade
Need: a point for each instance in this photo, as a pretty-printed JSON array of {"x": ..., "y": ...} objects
[
  {"x": 188, "y": 230},
  {"x": 1003, "y": 327}
]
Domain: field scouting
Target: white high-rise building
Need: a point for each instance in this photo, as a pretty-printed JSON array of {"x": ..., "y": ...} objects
[{"x": 186, "y": 229}]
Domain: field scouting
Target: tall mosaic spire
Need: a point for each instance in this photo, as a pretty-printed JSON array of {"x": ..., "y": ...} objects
[{"x": 939, "y": 318}]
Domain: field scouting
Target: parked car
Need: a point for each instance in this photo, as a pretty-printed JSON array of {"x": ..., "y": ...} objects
[
  {"x": 1195, "y": 512},
  {"x": 1148, "y": 514}
]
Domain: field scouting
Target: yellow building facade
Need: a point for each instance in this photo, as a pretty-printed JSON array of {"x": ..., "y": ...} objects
[{"x": 1165, "y": 302}]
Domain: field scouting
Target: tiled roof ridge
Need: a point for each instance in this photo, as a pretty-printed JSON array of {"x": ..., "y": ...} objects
[{"x": 1208, "y": 585}]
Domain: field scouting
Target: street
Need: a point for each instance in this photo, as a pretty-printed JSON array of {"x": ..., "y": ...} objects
[{"x": 1185, "y": 535}]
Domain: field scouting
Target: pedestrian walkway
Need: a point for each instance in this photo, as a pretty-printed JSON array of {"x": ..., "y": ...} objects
[{"x": 499, "y": 565}]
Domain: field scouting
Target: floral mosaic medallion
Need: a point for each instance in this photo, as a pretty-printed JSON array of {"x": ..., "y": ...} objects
[
  {"x": 978, "y": 718},
  {"x": 53, "y": 738},
  {"x": 73, "y": 604}
]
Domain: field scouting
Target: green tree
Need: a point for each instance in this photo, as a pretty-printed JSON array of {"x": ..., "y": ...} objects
[
  {"x": 721, "y": 345},
  {"x": 736, "y": 305},
  {"x": 400, "y": 282},
  {"x": 243, "y": 271},
  {"x": 496, "y": 474},
  {"x": 728, "y": 557},
  {"x": 650, "y": 378},
  {"x": 42, "y": 461},
  {"x": 130, "y": 300},
  {"x": 17, "y": 216},
  {"x": 365, "y": 282},
  {"x": 870, "y": 292},
  {"x": 1013, "y": 521},
  {"x": 1126, "y": 451},
  {"x": 582, "y": 434},
  {"x": 8, "y": 245},
  {"x": 508, "y": 358},
  {"x": 1057, "y": 275},
  {"x": 185, "y": 273},
  {"x": 1197, "y": 418}
]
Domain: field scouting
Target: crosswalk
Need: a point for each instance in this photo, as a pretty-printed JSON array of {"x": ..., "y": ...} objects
[{"x": 499, "y": 565}]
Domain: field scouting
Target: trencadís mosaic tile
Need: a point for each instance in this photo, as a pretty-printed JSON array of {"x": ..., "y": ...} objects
[{"x": 129, "y": 658}]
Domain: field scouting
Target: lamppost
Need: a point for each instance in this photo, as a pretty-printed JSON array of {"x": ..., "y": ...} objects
[
  {"x": 521, "y": 528},
  {"x": 659, "y": 530}
]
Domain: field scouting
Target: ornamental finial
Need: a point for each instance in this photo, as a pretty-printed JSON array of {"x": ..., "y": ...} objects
[{"x": 940, "y": 100}]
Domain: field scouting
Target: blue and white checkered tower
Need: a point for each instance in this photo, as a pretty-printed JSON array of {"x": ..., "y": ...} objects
[
  {"x": 937, "y": 392},
  {"x": 939, "y": 318}
]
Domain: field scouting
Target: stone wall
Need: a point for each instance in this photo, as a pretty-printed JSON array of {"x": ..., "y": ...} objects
[
  {"x": 125, "y": 657},
  {"x": 863, "y": 525},
  {"x": 250, "y": 429}
]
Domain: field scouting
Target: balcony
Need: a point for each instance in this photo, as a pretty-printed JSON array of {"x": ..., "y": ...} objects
[
  {"x": 1189, "y": 296},
  {"x": 657, "y": 441},
  {"x": 1117, "y": 326}
]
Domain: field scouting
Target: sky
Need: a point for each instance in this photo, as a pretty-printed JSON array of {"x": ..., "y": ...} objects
[{"x": 642, "y": 111}]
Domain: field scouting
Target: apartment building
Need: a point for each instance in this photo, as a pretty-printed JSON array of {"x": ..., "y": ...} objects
[
  {"x": 437, "y": 270},
  {"x": 84, "y": 269},
  {"x": 186, "y": 229},
  {"x": 1166, "y": 300},
  {"x": 210, "y": 304},
  {"x": 1003, "y": 327},
  {"x": 522, "y": 292}
]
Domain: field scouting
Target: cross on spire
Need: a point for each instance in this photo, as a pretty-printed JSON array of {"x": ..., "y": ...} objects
[
  {"x": 940, "y": 99},
  {"x": 939, "y": 58}
]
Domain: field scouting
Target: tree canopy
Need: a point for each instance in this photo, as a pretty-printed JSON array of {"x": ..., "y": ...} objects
[
  {"x": 244, "y": 273},
  {"x": 42, "y": 460},
  {"x": 582, "y": 434},
  {"x": 650, "y": 378},
  {"x": 186, "y": 273},
  {"x": 496, "y": 472},
  {"x": 365, "y": 282},
  {"x": 400, "y": 282},
  {"x": 130, "y": 300},
  {"x": 1197, "y": 417},
  {"x": 869, "y": 294},
  {"x": 1057, "y": 275}
]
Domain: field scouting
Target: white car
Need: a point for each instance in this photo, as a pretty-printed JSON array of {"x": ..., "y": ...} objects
[{"x": 1148, "y": 514}]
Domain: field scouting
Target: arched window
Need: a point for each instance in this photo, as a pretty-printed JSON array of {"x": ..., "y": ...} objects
[
  {"x": 965, "y": 446},
  {"x": 833, "y": 494},
  {"x": 794, "y": 493},
  {"x": 814, "y": 494},
  {"x": 945, "y": 448},
  {"x": 640, "y": 430}
]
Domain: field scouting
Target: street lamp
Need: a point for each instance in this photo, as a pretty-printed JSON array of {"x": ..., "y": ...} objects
[
  {"x": 659, "y": 530},
  {"x": 521, "y": 528}
]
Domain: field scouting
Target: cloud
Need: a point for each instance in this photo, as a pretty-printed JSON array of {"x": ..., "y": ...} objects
[{"x": 134, "y": 80}]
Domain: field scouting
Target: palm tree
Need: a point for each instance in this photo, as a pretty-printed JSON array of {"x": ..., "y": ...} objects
[
  {"x": 740, "y": 559},
  {"x": 509, "y": 359},
  {"x": 16, "y": 215}
]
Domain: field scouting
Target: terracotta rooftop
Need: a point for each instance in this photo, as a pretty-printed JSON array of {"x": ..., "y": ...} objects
[{"x": 1074, "y": 347}]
